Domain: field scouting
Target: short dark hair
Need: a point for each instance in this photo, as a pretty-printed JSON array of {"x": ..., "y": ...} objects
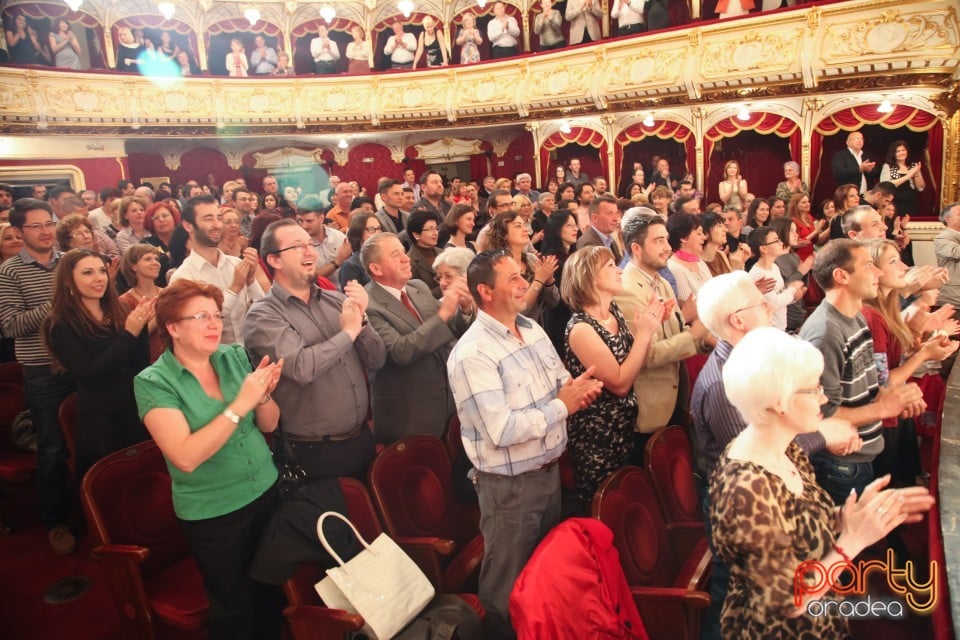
[
  {"x": 419, "y": 218},
  {"x": 18, "y": 213},
  {"x": 189, "y": 213},
  {"x": 597, "y": 201},
  {"x": 709, "y": 220},
  {"x": 886, "y": 188},
  {"x": 59, "y": 190},
  {"x": 836, "y": 254},
  {"x": 481, "y": 271},
  {"x": 492, "y": 198},
  {"x": 6, "y": 188},
  {"x": 758, "y": 238},
  {"x": 268, "y": 243},
  {"x": 635, "y": 231},
  {"x": 679, "y": 203},
  {"x": 426, "y": 174},
  {"x": 109, "y": 192},
  {"x": 357, "y": 227},
  {"x": 123, "y": 184},
  {"x": 578, "y": 190},
  {"x": 233, "y": 196},
  {"x": 680, "y": 226},
  {"x": 457, "y": 211},
  {"x": 359, "y": 201},
  {"x": 385, "y": 185}
]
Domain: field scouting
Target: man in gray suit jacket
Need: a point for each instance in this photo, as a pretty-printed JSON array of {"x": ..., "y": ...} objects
[{"x": 410, "y": 394}]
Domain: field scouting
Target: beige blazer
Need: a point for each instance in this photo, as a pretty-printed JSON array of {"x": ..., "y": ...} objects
[{"x": 657, "y": 384}]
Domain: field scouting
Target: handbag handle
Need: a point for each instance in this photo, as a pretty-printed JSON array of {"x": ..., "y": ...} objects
[{"x": 323, "y": 538}]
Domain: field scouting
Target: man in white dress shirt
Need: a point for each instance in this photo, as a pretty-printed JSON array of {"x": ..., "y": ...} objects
[
  {"x": 503, "y": 33},
  {"x": 400, "y": 48},
  {"x": 206, "y": 263},
  {"x": 325, "y": 52}
]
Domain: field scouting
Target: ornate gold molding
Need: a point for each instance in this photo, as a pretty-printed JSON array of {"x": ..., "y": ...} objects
[{"x": 951, "y": 166}]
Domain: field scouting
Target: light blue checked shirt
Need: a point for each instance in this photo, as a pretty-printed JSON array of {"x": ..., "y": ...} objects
[{"x": 506, "y": 394}]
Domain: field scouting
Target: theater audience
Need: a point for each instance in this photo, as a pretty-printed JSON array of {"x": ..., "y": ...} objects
[
  {"x": 584, "y": 18},
  {"x": 64, "y": 45},
  {"x": 234, "y": 277},
  {"x": 559, "y": 241},
  {"x": 141, "y": 267},
  {"x": 10, "y": 242},
  {"x": 848, "y": 276},
  {"x": 450, "y": 265},
  {"x": 358, "y": 52},
  {"x": 513, "y": 398},
  {"x": 658, "y": 384},
  {"x": 715, "y": 240},
  {"x": 325, "y": 52},
  {"x": 132, "y": 213},
  {"x": 204, "y": 408},
  {"x": 363, "y": 226},
  {"x": 598, "y": 338},
  {"x": 767, "y": 513},
  {"x": 733, "y": 188},
  {"x": 509, "y": 232},
  {"x": 758, "y": 215},
  {"x": 430, "y": 42},
  {"x": 101, "y": 346},
  {"x": 459, "y": 224},
  {"x": 778, "y": 207},
  {"x": 503, "y": 33},
  {"x": 232, "y": 242},
  {"x": 946, "y": 246},
  {"x": 792, "y": 269},
  {"x": 400, "y": 47},
  {"x": 686, "y": 239},
  {"x": 161, "y": 220},
  {"x": 629, "y": 16},
  {"x": 424, "y": 229},
  {"x": 418, "y": 332},
  {"x": 327, "y": 351},
  {"x": 767, "y": 246},
  {"x": 547, "y": 27},
  {"x": 26, "y": 288},
  {"x": 905, "y": 176},
  {"x": 236, "y": 60},
  {"x": 792, "y": 184},
  {"x": 263, "y": 59},
  {"x": 24, "y": 44},
  {"x": 811, "y": 232}
]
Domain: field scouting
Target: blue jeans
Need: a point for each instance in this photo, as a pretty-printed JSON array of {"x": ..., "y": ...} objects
[
  {"x": 44, "y": 392},
  {"x": 838, "y": 477}
]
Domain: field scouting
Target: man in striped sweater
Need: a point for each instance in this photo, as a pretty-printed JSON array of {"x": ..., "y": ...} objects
[
  {"x": 26, "y": 290},
  {"x": 848, "y": 276}
]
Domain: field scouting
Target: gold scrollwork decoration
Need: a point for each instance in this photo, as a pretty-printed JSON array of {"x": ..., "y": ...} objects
[
  {"x": 766, "y": 51},
  {"x": 892, "y": 32}
]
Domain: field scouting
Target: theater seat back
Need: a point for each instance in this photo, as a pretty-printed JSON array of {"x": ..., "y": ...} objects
[{"x": 669, "y": 458}]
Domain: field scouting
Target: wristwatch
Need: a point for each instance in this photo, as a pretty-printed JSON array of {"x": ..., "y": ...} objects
[{"x": 231, "y": 415}]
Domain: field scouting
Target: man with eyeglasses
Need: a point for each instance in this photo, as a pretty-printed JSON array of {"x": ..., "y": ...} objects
[
  {"x": 418, "y": 332},
  {"x": 845, "y": 271},
  {"x": 236, "y": 277},
  {"x": 331, "y": 245},
  {"x": 730, "y": 306},
  {"x": 327, "y": 346},
  {"x": 500, "y": 201},
  {"x": 245, "y": 202},
  {"x": 26, "y": 289}
]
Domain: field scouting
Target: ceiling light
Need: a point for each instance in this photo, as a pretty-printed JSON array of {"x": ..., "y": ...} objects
[
  {"x": 74, "y": 4},
  {"x": 342, "y": 144},
  {"x": 744, "y": 114},
  {"x": 564, "y": 127},
  {"x": 885, "y": 107},
  {"x": 648, "y": 121},
  {"x": 167, "y": 9},
  {"x": 252, "y": 14},
  {"x": 328, "y": 13},
  {"x": 406, "y": 7},
  {"x": 481, "y": 3}
]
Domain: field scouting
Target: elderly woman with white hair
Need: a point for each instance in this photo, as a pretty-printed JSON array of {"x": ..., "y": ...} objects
[
  {"x": 771, "y": 521},
  {"x": 451, "y": 264},
  {"x": 792, "y": 184}
]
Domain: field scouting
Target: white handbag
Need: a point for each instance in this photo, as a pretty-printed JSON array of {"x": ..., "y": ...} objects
[{"x": 381, "y": 583}]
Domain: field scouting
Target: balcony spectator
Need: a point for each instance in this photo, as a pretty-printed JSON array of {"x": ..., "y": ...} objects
[
  {"x": 503, "y": 33},
  {"x": 263, "y": 59},
  {"x": 547, "y": 26},
  {"x": 325, "y": 52},
  {"x": 400, "y": 48},
  {"x": 358, "y": 52},
  {"x": 584, "y": 18},
  {"x": 469, "y": 40}
]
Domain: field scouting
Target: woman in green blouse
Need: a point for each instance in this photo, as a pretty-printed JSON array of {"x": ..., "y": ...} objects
[{"x": 205, "y": 409}]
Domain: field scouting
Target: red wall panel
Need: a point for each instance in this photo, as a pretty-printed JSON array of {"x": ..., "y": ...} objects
[{"x": 97, "y": 172}]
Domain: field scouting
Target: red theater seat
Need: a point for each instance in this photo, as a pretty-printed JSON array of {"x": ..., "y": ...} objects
[
  {"x": 144, "y": 556},
  {"x": 669, "y": 458},
  {"x": 668, "y": 587},
  {"x": 411, "y": 483},
  {"x": 16, "y": 466}
]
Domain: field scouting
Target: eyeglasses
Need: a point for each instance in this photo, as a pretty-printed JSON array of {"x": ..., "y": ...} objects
[
  {"x": 373, "y": 229},
  {"x": 817, "y": 391},
  {"x": 203, "y": 316},
  {"x": 777, "y": 241},
  {"x": 445, "y": 277},
  {"x": 83, "y": 233},
  {"x": 299, "y": 248},
  {"x": 762, "y": 303},
  {"x": 433, "y": 229},
  {"x": 37, "y": 226}
]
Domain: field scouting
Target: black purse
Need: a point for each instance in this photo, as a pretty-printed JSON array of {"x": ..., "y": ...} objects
[{"x": 292, "y": 475}]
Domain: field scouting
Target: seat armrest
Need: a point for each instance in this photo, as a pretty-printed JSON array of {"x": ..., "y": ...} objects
[
  {"x": 426, "y": 552},
  {"x": 694, "y": 575},
  {"x": 685, "y": 536},
  {"x": 320, "y": 622},
  {"x": 111, "y": 552},
  {"x": 438, "y": 545}
]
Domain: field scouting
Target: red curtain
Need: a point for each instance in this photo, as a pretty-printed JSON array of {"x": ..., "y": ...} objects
[
  {"x": 911, "y": 118},
  {"x": 577, "y": 135},
  {"x": 764, "y": 124},
  {"x": 662, "y": 129},
  {"x": 479, "y": 167}
]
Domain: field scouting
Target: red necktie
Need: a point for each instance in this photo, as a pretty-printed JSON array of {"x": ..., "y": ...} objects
[{"x": 406, "y": 302}]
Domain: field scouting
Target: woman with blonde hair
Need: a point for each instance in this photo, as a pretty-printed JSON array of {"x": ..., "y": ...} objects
[
  {"x": 469, "y": 40},
  {"x": 598, "y": 336},
  {"x": 10, "y": 241},
  {"x": 358, "y": 52},
  {"x": 431, "y": 43},
  {"x": 733, "y": 188}
]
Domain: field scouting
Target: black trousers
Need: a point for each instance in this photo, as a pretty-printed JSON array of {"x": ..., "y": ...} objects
[
  {"x": 502, "y": 52},
  {"x": 336, "y": 459},
  {"x": 631, "y": 29},
  {"x": 224, "y": 548}
]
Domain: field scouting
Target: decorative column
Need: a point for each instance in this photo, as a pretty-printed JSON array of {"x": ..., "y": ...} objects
[
  {"x": 949, "y": 103},
  {"x": 609, "y": 136},
  {"x": 810, "y": 111},
  {"x": 699, "y": 113},
  {"x": 525, "y": 29},
  {"x": 605, "y": 23},
  {"x": 534, "y": 129}
]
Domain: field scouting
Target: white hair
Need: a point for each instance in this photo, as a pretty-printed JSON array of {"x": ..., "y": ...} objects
[
  {"x": 720, "y": 297},
  {"x": 457, "y": 258},
  {"x": 634, "y": 212},
  {"x": 765, "y": 369}
]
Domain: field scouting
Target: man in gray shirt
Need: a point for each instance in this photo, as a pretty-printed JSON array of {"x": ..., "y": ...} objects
[
  {"x": 947, "y": 247},
  {"x": 848, "y": 276},
  {"x": 326, "y": 345}
]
